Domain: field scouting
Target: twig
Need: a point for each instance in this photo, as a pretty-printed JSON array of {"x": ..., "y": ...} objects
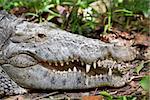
[
  {"x": 43, "y": 96},
  {"x": 95, "y": 91}
]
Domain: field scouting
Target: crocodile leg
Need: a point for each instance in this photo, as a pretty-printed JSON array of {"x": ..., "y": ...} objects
[{"x": 8, "y": 86}]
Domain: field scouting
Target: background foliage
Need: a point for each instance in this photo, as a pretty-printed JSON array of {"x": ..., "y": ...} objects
[{"x": 81, "y": 18}]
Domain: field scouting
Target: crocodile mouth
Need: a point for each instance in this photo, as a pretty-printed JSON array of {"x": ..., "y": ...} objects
[
  {"x": 99, "y": 67},
  {"x": 35, "y": 69}
]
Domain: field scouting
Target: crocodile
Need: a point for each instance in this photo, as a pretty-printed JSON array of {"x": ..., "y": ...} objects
[{"x": 42, "y": 56}]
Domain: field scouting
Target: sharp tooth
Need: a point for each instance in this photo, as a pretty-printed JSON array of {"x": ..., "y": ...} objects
[
  {"x": 79, "y": 71},
  {"x": 69, "y": 70},
  {"x": 96, "y": 76},
  {"x": 56, "y": 64},
  {"x": 74, "y": 69},
  {"x": 94, "y": 65},
  {"x": 92, "y": 76},
  {"x": 61, "y": 63},
  {"x": 67, "y": 63},
  {"x": 82, "y": 63},
  {"x": 64, "y": 72},
  {"x": 72, "y": 60},
  {"x": 110, "y": 72},
  {"x": 100, "y": 75},
  {"x": 50, "y": 64},
  {"x": 77, "y": 60},
  {"x": 88, "y": 68},
  {"x": 84, "y": 74},
  {"x": 99, "y": 63},
  {"x": 54, "y": 70}
]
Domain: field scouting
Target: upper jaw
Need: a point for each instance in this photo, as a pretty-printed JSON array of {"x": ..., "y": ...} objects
[
  {"x": 108, "y": 66},
  {"x": 88, "y": 56},
  {"x": 54, "y": 44},
  {"x": 55, "y": 51}
]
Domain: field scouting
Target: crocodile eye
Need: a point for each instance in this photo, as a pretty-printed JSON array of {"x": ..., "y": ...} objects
[
  {"x": 41, "y": 35},
  {"x": 22, "y": 60}
]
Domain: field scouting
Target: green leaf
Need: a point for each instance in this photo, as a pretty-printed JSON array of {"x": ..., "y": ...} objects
[
  {"x": 46, "y": 8},
  {"x": 50, "y": 17},
  {"x": 124, "y": 98},
  {"x": 83, "y": 4},
  {"x": 32, "y": 14},
  {"x": 106, "y": 94},
  {"x": 124, "y": 10},
  {"x": 54, "y": 13},
  {"x": 145, "y": 83},
  {"x": 68, "y": 3},
  {"x": 57, "y": 2}
]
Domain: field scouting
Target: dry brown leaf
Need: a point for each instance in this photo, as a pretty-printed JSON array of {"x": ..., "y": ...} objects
[
  {"x": 92, "y": 98},
  {"x": 133, "y": 84},
  {"x": 18, "y": 10},
  {"x": 18, "y": 97},
  {"x": 125, "y": 35},
  {"x": 142, "y": 40}
]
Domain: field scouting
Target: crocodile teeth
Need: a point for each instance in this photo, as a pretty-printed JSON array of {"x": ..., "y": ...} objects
[
  {"x": 69, "y": 70},
  {"x": 67, "y": 63},
  {"x": 77, "y": 60},
  {"x": 94, "y": 65},
  {"x": 50, "y": 64},
  {"x": 72, "y": 60},
  {"x": 56, "y": 64},
  {"x": 96, "y": 76},
  {"x": 74, "y": 69},
  {"x": 92, "y": 76},
  {"x": 99, "y": 63},
  {"x": 109, "y": 72},
  {"x": 64, "y": 71},
  {"x": 82, "y": 63},
  {"x": 62, "y": 64},
  {"x": 79, "y": 71},
  {"x": 88, "y": 68},
  {"x": 100, "y": 75}
]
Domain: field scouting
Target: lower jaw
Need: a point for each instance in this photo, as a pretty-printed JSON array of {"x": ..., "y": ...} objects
[{"x": 38, "y": 77}]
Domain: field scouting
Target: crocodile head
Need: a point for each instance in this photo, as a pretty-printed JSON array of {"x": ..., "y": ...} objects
[{"x": 41, "y": 56}]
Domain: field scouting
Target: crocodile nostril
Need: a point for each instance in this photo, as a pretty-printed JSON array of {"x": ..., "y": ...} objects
[{"x": 41, "y": 35}]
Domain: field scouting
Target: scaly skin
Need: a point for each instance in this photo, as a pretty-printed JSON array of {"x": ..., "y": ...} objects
[
  {"x": 38, "y": 56},
  {"x": 7, "y": 86}
]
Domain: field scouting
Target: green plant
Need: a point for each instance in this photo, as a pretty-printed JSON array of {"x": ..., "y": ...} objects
[
  {"x": 9, "y": 4},
  {"x": 79, "y": 23},
  {"x": 36, "y": 7},
  {"x": 42, "y": 6},
  {"x": 75, "y": 22},
  {"x": 108, "y": 96},
  {"x": 136, "y": 6},
  {"x": 126, "y": 10},
  {"x": 145, "y": 83}
]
